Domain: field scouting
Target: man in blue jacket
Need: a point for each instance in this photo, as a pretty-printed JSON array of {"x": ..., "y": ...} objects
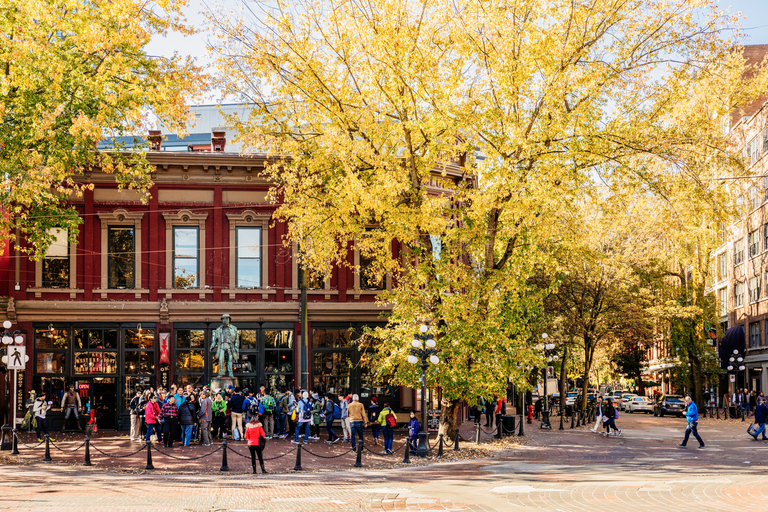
[
  {"x": 761, "y": 416},
  {"x": 692, "y": 416}
]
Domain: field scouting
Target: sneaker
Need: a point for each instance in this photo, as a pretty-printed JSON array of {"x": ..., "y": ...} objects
[
  {"x": 40, "y": 439},
  {"x": 296, "y": 442},
  {"x": 269, "y": 437},
  {"x": 619, "y": 432},
  {"x": 681, "y": 445},
  {"x": 700, "y": 446},
  {"x": 335, "y": 441},
  {"x": 52, "y": 439},
  {"x": 593, "y": 430},
  {"x": 329, "y": 442}
]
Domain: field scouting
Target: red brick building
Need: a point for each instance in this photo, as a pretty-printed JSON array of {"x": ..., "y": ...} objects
[{"x": 135, "y": 300}]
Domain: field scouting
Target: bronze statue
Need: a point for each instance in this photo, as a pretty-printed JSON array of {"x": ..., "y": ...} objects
[{"x": 226, "y": 345}]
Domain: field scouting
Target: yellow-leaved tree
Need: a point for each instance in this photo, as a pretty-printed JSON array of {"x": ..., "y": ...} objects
[
  {"x": 73, "y": 72},
  {"x": 372, "y": 105}
]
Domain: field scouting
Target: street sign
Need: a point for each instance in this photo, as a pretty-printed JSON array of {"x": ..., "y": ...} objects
[
  {"x": 17, "y": 358},
  {"x": 733, "y": 377}
]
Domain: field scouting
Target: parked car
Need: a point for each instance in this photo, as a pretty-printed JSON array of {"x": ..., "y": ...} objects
[
  {"x": 626, "y": 397},
  {"x": 617, "y": 395},
  {"x": 640, "y": 404},
  {"x": 669, "y": 404},
  {"x": 570, "y": 398}
]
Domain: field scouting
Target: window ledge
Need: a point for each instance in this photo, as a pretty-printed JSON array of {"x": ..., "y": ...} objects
[
  {"x": 265, "y": 292},
  {"x": 105, "y": 291},
  {"x": 201, "y": 292},
  {"x": 38, "y": 291}
]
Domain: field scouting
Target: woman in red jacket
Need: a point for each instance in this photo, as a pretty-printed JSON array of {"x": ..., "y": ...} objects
[{"x": 257, "y": 440}]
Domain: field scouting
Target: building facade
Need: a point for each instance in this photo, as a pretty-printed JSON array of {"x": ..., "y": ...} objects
[{"x": 134, "y": 300}]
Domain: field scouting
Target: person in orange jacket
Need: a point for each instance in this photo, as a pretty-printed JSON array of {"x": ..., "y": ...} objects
[{"x": 257, "y": 441}]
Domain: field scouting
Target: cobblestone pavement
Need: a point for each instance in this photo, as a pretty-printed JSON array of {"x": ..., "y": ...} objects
[{"x": 570, "y": 470}]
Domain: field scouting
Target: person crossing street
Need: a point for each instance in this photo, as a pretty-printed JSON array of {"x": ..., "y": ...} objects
[{"x": 692, "y": 416}]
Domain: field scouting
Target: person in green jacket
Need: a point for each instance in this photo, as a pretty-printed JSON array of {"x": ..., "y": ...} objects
[
  {"x": 317, "y": 409},
  {"x": 388, "y": 421},
  {"x": 219, "y": 416}
]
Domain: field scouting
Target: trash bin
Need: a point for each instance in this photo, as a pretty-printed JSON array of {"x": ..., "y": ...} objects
[{"x": 508, "y": 425}]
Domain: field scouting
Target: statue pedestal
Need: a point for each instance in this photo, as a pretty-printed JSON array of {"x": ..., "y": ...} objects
[{"x": 223, "y": 383}]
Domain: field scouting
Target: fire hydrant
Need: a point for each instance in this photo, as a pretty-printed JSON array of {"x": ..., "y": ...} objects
[{"x": 530, "y": 413}]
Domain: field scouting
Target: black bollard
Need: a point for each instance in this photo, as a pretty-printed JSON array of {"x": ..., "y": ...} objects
[
  {"x": 561, "y": 421},
  {"x": 498, "y": 429},
  {"x": 742, "y": 414},
  {"x": 578, "y": 418},
  {"x": 439, "y": 448},
  {"x": 297, "y": 466},
  {"x": 87, "y": 452},
  {"x": 718, "y": 413},
  {"x": 358, "y": 460},
  {"x": 47, "y": 457},
  {"x": 224, "y": 466},
  {"x": 477, "y": 434},
  {"x": 456, "y": 441},
  {"x": 15, "y": 443},
  {"x": 573, "y": 419},
  {"x": 522, "y": 426},
  {"x": 149, "y": 456},
  {"x": 407, "y": 456}
]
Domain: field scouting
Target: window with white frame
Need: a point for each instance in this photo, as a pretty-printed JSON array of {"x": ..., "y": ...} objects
[
  {"x": 186, "y": 256},
  {"x": 249, "y": 251},
  {"x": 754, "y": 243},
  {"x": 754, "y": 334},
  {"x": 722, "y": 266},
  {"x": 56, "y": 265},
  {"x": 722, "y": 301},
  {"x": 754, "y": 289},
  {"x": 738, "y": 251},
  {"x": 740, "y": 205},
  {"x": 248, "y": 255},
  {"x": 754, "y": 197},
  {"x": 738, "y": 295},
  {"x": 753, "y": 150}
]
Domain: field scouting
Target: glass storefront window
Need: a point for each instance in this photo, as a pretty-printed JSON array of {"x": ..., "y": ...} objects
[
  {"x": 278, "y": 359},
  {"x": 331, "y": 371},
  {"x": 55, "y": 339},
  {"x": 50, "y": 362},
  {"x": 144, "y": 338},
  {"x": 54, "y": 388},
  {"x": 121, "y": 265},
  {"x": 190, "y": 338},
  {"x": 189, "y": 361},
  {"x": 95, "y": 362}
]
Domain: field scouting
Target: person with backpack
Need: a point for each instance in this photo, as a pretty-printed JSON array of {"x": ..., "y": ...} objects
[
  {"x": 609, "y": 418},
  {"x": 135, "y": 418},
  {"x": 761, "y": 418},
  {"x": 257, "y": 441},
  {"x": 413, "y": 431},
  {"x": 187, "y": 415},
  {"x": 283, "y": 406},
  {"x": 346, "y": 430},
  {"x": 219, "y": 408},
  {"x": 236, "y": 406},
  {"x": 303, "y": 418},
  {"x": 373, "y": 418},
  {"x": 153, "y": 414},
  {"x": 248, "y": 404},
  {"x": 357, "y": 420},
  {"x": 317, "y": 411},
  {"x": 268, "y": 416},
  {"x": 328, "y": 411},
  {"x": 388, "y": 421}
]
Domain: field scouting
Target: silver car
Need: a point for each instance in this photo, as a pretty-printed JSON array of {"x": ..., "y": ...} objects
[
  {"x": 625, "y": 398},
  {"x": 640, "y": 404}
]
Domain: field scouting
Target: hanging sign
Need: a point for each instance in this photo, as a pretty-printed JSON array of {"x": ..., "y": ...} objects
[{"x": 164, "y": 337}]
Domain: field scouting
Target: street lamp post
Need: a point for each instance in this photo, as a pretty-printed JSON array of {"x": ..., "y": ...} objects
[
  {"x": 9, "y": 338},
  {"x": 737, "y": 365},
  {"x": 549, "y": 356},
  {"x": 423, "y": 350}
]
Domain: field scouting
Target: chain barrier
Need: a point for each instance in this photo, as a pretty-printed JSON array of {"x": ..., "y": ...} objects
[
  {"x": 27, "y": 445},
  {"x": 188, "y": 458},
  {"x": 381, "y": 454},
  {"x": 119, "y": 456},
  {"x": 68, "y": 451},
  {"x": 328, "y": 457},
  {"x": 232, "y": 450}
]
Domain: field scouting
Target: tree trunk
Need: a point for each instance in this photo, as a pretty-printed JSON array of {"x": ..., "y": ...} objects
[
  {"x": 563, "y": 379},
  {"x": 447, "y": 419}
]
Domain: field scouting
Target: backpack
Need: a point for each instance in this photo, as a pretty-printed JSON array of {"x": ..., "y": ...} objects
[
  {"x": 269, "y": 405},
  {"x": 307, "y": 412},
  {"x": 504, "y": 408},
  {"x": 390, "y": 419},
  {"x": 329, "y": 409},
  {"x": 336, "y": 412},
  {"x": 254, "y": 409}
]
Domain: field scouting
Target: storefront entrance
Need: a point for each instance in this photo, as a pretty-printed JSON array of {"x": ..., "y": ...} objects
[{"x": 99, "y": 394}]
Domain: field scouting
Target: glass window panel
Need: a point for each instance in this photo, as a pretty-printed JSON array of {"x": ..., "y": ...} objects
[
  {"x": 189, "y": 361},
  {"x": 247, "y": 363},
  {"x": 81, "y": 339},
  {"x": 185, "y": 254},
  {"x": 276, "y": 382},
  {"x": 248, "y": 273},
  {"x": 53, "y": 387},
  {"x": 185, "y": 242},
  {"x": 95, "y": 338},
  {"x": 131, "y": 385},
  {"x": 190, "y": 338},
  {"x": 110, "y": 338},
  {"x": 59, "y": 247},
  {"x": 249, "y": 243},
  {"x": 51, "y": 339},
  {"x": 132, "y": 362},
  {"x": 368, "y": 279},
  {"x": 140, "y": 339},
  {"x": 95, "y": 362},
  {"x": 121, "y": 258},
  {"x": 147, "y": 362},
  {"x": 56, "y": 272},
  {"x": 50, "y": 362},
  {"x": 278, "y": 361},
  {"x": 249, "y": 340},
  {"x": 278, "y": 339}
]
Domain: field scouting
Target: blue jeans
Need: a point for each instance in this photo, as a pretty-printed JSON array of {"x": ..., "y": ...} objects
[
  {"x": 691, "y": 429},
  {"x": 304, "y": 425},
  {"x": 389, "y": 436},
  {"x": 760, "y": 430},
  {"x": 283, "y": 418},
  {"x": 153, "y": 428},
  {"x": 186, "y": 434},
  {"x": 357, "y": 429},
  {"x": 329, "y": 428}
]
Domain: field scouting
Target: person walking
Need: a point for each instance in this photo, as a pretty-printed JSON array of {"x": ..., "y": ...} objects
[
  {"x": 609, "y": 418},
  {"x": 317, "y": 411},
  {"x": 599, "y": 420},
  {"x": 388, "y": 421},
  {"x": 40, "y": 410},
  {"x": 357, "y": 420},
  {"x": 303, "y": 418},
  {"x": 413, "y": 431},
  {"x": 373, "y": 419},
  {"x": 170, "y": 416},
  {"x": 761, "y": 417},
  {"x": 328, "y": 411},
  {"x": 692, "y": 417},
  {"x": 257, "y": 440},
  {"x": 206, "y": 417},
  {"x": 346, "y": 430}
]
